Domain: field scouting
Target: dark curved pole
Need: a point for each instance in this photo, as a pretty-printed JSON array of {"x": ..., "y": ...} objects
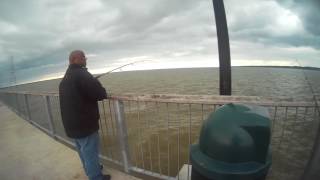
[{"x": 223, "y": 46}]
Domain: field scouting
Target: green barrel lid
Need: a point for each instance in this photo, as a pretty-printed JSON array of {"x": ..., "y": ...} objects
[{"x": 234, "y": 143}]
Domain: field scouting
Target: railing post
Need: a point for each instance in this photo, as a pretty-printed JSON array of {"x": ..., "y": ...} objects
[
  {"x": 122, "y": 134},
  {"x": 49, "y": 114},
  {"x": 18, "y": 110},
  {"x": 27, "y": 107},
  {"x": 13, "y": 102}
]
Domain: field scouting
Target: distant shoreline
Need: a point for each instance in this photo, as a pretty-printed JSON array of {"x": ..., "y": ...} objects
[{"x": 286, "y": 67}]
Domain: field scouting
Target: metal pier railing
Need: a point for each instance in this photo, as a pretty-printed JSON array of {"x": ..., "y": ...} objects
[{"x": 149, "y": 136}]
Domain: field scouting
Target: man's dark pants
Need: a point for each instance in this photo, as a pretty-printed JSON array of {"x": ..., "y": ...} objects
[{"x": 88, "y": 149}]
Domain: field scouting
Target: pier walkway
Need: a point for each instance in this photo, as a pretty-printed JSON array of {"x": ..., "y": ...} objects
[{"x": 29, "y": 154}]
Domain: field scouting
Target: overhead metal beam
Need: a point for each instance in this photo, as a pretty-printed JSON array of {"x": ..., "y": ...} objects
[{"x": 223, "y": 46}]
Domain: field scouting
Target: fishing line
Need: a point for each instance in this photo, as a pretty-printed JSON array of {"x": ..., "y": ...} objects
[
  {"x": 106, "y": 73},
  {"x": 109, "y": 72}
]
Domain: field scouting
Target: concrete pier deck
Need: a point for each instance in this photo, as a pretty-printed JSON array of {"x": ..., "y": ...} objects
[{"x": 28, "y": 153}]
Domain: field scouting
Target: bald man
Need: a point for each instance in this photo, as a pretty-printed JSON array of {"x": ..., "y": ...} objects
[{"x": 79, "y": 93}]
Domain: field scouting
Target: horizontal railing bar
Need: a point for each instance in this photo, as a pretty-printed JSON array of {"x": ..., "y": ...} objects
[
  {"x": 211, "y": 100},
  {"x": 110, "y": 160},
  {"x": 32, "y": 93},
  {"x": 65, "y": 141},
  {"x": 150, "y": 174},
  {"x": 41, "y": 128}
]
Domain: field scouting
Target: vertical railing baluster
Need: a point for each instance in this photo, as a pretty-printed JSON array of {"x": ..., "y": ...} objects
[
  {"x": 283, "y": 126},
  {"x": 101, "y": 130},
  {"x": 107, "y": 129},
  {"x": 141, "y": 138},
  {"x": 49, "y": 114},
  {"x": 148, "y": 141},
  {"x": 159, "y": 156},
  {"x": 134, "y": 152},
  {"x": 168, "y": 143},
  {"x": 17, "y": 104},
  {"x": 314, "y": 113},
  {"x": 202, "y": 114},
  {"x": 305, "y": 114},
  {"x": 122, "y": 134},
  {"x": 274, "y": 118},
  {"x": 178, "y": 107},
  {"x": 296, "y": 116},
  {"x": 27, "y": 107},
  {"x": 189, "y": 143},
  {"x": 113, "y": 131},
  {"x": 23, "y": 108}
]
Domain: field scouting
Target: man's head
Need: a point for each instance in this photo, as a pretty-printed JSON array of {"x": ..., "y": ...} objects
[{"x": 78, "y": 57}]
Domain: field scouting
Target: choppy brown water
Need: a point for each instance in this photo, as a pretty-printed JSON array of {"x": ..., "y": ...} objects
[{"x": 248, "y": 81}]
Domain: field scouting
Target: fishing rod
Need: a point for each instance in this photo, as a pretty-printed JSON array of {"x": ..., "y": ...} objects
[{"x": 106, "y": 73}]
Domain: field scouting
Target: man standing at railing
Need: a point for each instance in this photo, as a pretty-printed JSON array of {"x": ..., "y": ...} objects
[{"x": 79, "y": 92}]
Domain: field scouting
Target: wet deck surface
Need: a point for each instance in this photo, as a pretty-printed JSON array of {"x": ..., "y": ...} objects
[{"x": 28, "y": 153}]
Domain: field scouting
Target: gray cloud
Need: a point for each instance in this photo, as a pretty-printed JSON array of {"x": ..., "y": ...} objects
[
  {"x": 271, "y": 23},
  {"x": 308, "y": 11},
  {"x": 41, "y": 33},
  {"x": 116, "y": 28}
]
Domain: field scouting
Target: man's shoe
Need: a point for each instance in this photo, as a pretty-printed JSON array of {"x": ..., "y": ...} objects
[{"x": 106, "y": 177}]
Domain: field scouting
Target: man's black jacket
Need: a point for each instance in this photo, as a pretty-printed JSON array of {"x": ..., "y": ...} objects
[{"x": 79, "y": 92}]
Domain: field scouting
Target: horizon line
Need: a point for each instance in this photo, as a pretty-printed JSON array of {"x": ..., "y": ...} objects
[{"x": 60, "y": 76}]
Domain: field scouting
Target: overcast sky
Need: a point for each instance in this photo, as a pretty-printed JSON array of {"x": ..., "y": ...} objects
[{"x": 39, "y": 34}]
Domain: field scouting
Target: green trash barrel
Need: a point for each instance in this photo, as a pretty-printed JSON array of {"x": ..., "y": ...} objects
[{"x": 234, "y": 144}]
